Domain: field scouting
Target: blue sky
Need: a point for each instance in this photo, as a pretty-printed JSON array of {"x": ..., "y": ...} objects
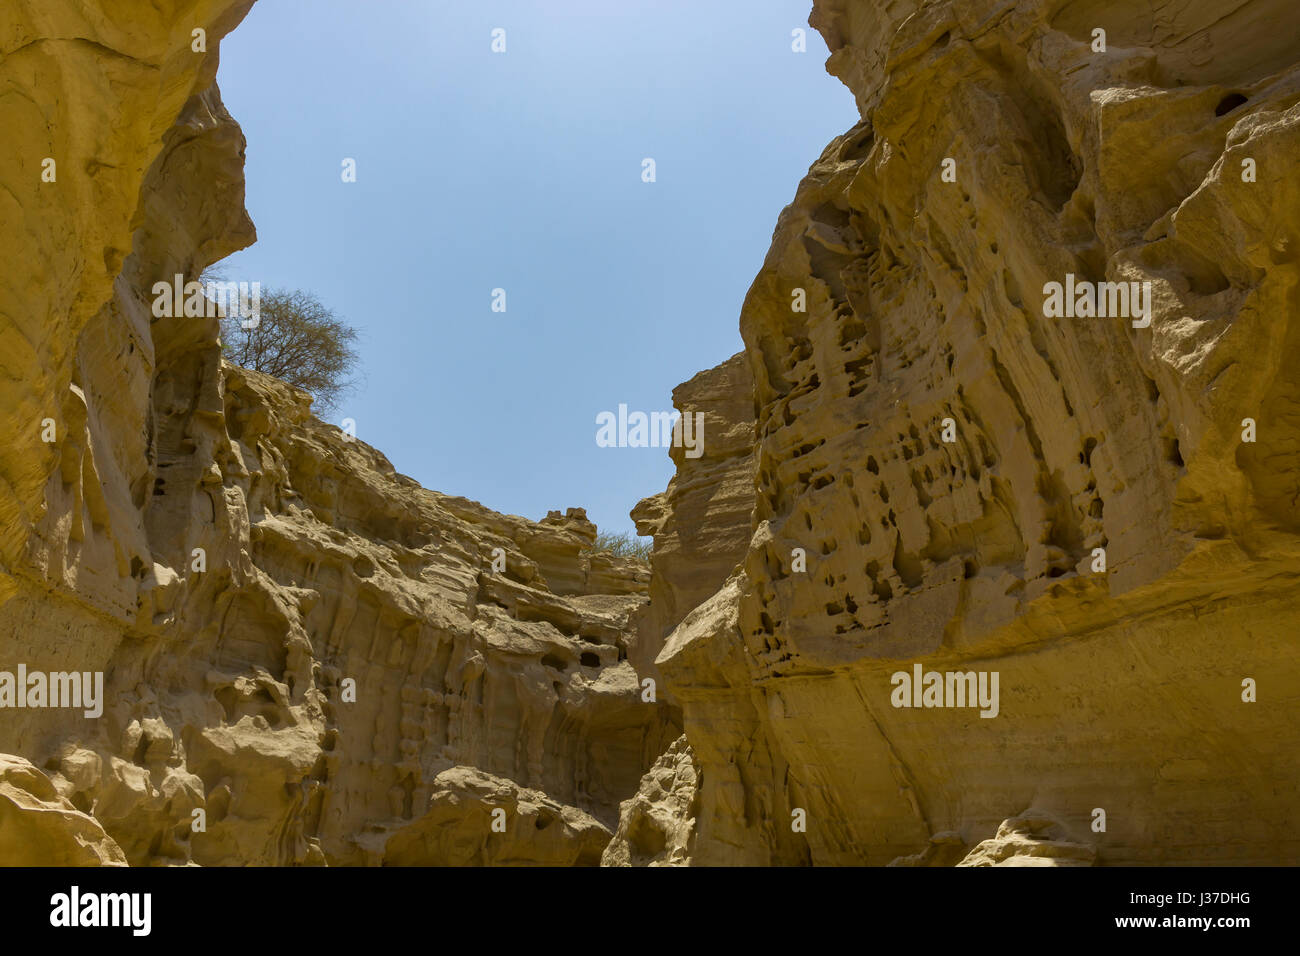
[{"x": 522, "y": 170}]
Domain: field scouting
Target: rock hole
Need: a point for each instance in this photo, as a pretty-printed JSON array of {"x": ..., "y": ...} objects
[{"x": 1228, "y": 104}]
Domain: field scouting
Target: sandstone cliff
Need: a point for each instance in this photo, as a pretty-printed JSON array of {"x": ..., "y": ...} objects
[
  {"x": 940, "y": 466},
  {"x": 701, "y": 527},
  {"x": 308, "y": 658}
]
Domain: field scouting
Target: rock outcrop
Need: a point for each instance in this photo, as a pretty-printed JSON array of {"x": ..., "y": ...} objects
[
  {"x": 954, "y": 548},
  {"x": 701, "y": 527},
  {"x": 953, "y": 475},
  {"x": 40, "y": 828},
  {"x": 1031, "y": 839},
  {"x": 306, "y": 657},
  {"x": 656, "y": 826},
  {"x": 702, "y": 523}
]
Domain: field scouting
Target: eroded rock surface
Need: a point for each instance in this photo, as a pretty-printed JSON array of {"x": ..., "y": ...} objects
[
  {"x": 702, "y": 523},
  {"x": 307, "y": 658},
  {"x": 656, "y": 826},
  {"x": 1169, "y": 158},
  {"x": 1031, "y": 839},
  {"x": 38, "y": 827}
]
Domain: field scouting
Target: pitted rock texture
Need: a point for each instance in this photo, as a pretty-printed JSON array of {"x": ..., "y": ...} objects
[
  {"x": 308, "y": 658},
  {"x": 327, "y": 664},
  {"x": 925, "y": 309},
  {"x": 656, "y": 826}
]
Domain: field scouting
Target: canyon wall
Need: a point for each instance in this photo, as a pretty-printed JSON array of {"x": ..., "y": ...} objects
[
  {"x": 1099, "y": 510},
  {"x": 307, "y": 658},
  {"x": 915, "y": 463}
]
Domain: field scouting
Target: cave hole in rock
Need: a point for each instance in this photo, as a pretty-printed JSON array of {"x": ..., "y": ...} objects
[{"x": 1229, "y": 103}]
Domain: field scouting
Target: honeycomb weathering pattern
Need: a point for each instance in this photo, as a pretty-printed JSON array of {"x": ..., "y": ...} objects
[
  {"x": 520, "y": 690},
  {"x": 1120, "y": 691}
]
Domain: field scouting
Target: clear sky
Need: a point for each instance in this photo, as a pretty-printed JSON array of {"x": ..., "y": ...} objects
[{"x": 522, "y": 171}]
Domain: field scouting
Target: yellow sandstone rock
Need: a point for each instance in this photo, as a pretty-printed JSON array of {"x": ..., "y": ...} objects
[
  {"x": 40, "y": 828},
  {"x": 927, "y": 468},
  {"x": 1101, "y": 511},
  {"x": 307, "y": 658}
]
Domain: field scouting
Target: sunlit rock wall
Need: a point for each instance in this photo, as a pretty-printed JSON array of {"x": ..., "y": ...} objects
[{"x": 1099, "y": 510}]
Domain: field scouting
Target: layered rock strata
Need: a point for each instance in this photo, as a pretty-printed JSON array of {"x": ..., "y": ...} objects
[
  {"x": 918, "y": 466},
  {"x": 950, "y": 473},
  {"x": 702, "y": 522},
  {"x": 306, "y": 657}
]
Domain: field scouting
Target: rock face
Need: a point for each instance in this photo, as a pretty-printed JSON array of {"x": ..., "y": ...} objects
[
  {"x": 40, "y": 828},
  {"x": 656, "y": 826},
  {"x": 306, "y": 657},
  {"x": 951, "y": 475},
  {"x": 701, "y": 524},
  {"x": 1031, "y": 839},
  {"x": 701, "y": 527},
  {"x": 919, "y": 471}
]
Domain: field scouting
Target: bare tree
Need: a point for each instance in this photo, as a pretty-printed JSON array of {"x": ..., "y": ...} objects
[{"x": 299, "y": 341}]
